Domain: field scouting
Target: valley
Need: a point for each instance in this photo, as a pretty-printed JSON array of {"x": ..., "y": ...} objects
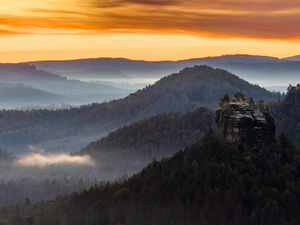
[
  {"x": 72, "y": 128},
  {"x": 117, "y": 146},
  {"x": 149, "y": 112}
]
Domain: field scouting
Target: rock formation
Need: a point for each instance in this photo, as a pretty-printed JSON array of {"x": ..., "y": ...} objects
[{"x": 240, "y": 119}]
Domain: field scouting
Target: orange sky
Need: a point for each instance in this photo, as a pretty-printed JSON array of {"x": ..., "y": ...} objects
[{"x": 147, "y": 29}]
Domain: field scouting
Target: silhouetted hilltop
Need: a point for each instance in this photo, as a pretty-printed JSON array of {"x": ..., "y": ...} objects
[
  {"x": 73, "y": 128},
  {"x": 25, "y": 72},
  {"x": 206, "y": 83},
  {"x": 293, "y": 58},
  {"x": 212, "y": 181},
  {"x": 126, "y": 68},
  {"x": 235, "y": 59}
]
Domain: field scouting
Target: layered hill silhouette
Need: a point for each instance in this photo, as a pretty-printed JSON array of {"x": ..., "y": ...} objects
[
  {"x": 18, "y": 96},
  {"x": 130, "y": 148},
  {"x": 126, "y": 68},
  {"x": 25, "y": 72},
  {"x": 267, "y": 71},
  {"x": 73, "y": 128},
  {"x": 293, "y": 58},
  {"x": 212, "y": 181},
  {"x": 76, "y": 91}
]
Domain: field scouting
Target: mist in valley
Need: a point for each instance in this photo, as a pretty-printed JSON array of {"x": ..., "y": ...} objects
[
  {"x": 37, "y": 175},
  {"x": 53, "y": 164}
]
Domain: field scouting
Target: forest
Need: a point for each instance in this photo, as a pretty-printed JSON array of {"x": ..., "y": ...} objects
[
  {"x": 209, "y": 179},
  {"x": 213, "y": 181},
  {"x": 121, "y": 153},
  {"x": 287, "y": 113},
  {"x": 149, "y": 112},
  {"x": 73, "y": 128},
  {"x": 130, "y": 148}
]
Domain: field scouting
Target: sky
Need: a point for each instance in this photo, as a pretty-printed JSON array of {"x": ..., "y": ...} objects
[{"x": 147, "y": 29}]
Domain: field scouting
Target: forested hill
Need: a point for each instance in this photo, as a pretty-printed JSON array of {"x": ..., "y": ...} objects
[
  {"x": 160, "y": 136},
  {"x": 77, "y": 91},
  {"x": 74, "y": 128},
  {"x": 204, "y": 85},
  {"x": 212, "y": 181}
]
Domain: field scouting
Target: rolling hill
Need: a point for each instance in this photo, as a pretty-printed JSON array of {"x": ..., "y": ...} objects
[
  {"x": 18, "y": 96},
  {"x": 76, "y": 91},
  {"x": 263, "y": 70},
  {"x": 73, "y": 128}
]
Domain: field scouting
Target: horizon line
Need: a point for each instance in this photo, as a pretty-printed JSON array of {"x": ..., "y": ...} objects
[{"x": 145, "y": 60}]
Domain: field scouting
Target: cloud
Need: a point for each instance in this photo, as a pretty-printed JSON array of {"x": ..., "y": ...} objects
[
  {"x": 37, "y": 159},
  {"x": 275, "y": 19},
  {"x": 120, "y": 3},
  {"x": 256, "y": 5}
]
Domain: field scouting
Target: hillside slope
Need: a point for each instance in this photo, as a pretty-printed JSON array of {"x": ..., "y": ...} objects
[
  {"x": 71, "y": 129},
  {"x": 212, "y": 182},
  {"x": 132, "y": 147},
  {"x": 18, "y": 96},
  {"x": 77, "y": 91}
]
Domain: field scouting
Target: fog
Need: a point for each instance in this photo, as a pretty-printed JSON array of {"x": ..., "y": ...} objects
[
  {"x": 44, "y": 174},
  {"x": 38, "y": 175},
  {"x": 44, "y": 159}
]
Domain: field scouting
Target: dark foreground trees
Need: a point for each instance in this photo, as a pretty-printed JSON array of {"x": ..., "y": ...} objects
[{"x": 211, "y": 182}]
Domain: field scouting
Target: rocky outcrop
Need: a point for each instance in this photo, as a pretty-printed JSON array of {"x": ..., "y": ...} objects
[{"x": 245, "y": 122}]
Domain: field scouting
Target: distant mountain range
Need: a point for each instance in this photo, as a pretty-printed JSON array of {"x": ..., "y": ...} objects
[
  {"x": 19, "y": 95},
  {"x": 71, "y": 129},
  {"x": 293, "y": 58},
  {"x": 70, "y": 91},
  {"x": 117, "y": 77},
  {"x": 264, "y": 70}
]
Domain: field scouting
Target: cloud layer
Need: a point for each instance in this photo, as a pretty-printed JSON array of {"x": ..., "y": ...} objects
[
  {"x": 274, "y": 19},
  {"x": 42, "y": 160}
]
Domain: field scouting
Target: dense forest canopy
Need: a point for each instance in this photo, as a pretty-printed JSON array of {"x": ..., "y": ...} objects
[
  {"x": 287, "y": 114},
  {"x": 121, "y": 153},
  {"x": 215, "y": 181},
  {"x": 165, "y": 130},
  {"x": 130, "y": 148},
  {"x": 211, "y": 182}
]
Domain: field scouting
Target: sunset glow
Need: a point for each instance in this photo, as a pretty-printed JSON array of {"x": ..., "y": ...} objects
[{"x": 147, "y": 29}]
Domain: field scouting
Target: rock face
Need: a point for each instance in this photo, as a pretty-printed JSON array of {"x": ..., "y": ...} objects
[{"x": 245, "y": 122}]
